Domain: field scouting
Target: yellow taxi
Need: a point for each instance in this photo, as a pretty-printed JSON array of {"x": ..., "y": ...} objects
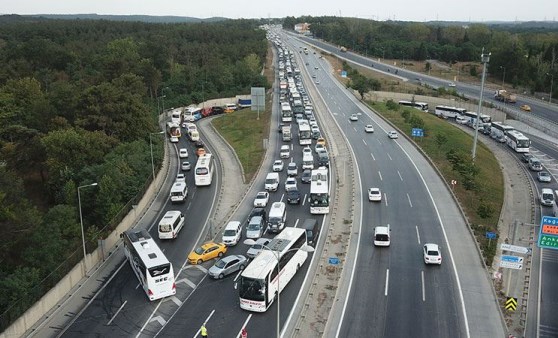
[
  {"x": 206, "y": 252},
  {"x": 525, "y": 107}
]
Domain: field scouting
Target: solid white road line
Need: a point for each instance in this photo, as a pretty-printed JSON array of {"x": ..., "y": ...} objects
[
  {"x": 244, "y": 325},
  {"x": 387, "y": 283},
  {"x": 409, "y": 198},
  {"x": 117, "y": 312},
  {"x": 418, "y": 235}
]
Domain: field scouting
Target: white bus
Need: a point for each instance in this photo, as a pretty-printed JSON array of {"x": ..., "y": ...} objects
[
  {"x": 286, "y": 112},
  {"x": 188, "y": 114},
  {"x": 203, "y": 173},
  {"x": 417, "y": 105},
  {"x": 499, "y": 131},
  {"x": 260, "y": 282},
  {"x": 319, "y": 191},
  {"x": 304, "y": 134},
  {"x": 473, "y": 115},
  {"x": 176, "y": 116},
  {"x": 179, "y": 192},
  {"x": 518, "y": 142},
  {"x": 171, "y": 224},
  {"x": 449, "y": 112},
  {"x": 151, "y": 267}
]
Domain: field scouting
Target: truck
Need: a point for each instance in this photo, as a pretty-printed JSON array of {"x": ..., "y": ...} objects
[
  {"x": 245, "y": 101},
  {"x": 343, "y": 49},
  {"x": 286, "y": 131},
  {"x": 504, "y": 96}
]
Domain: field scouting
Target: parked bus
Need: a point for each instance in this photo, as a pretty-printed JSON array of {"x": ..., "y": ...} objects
[
  {"x": 151, "y": 267},
  {"x": 499, "y": 131},
  {"x": 286, "y": 112},
  {"x": 304, "y": 134},
  {"x": 449, "y": 112},
  {"x": 473, "y": 115},
  {"x": 417, "y": 105},
  {"x": 518, "y": 142},
  {"x": 319, "y": 191},
  {"x": 203, "y": 174},
  {"x": 259, "y": 283}
]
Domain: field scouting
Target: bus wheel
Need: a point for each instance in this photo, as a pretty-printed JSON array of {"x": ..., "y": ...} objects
[{"x": 200, "y": 261}]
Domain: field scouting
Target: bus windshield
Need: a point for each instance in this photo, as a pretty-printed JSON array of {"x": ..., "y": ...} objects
[
  {"x": 159, "y": 270},
  {"x": 252, "y": 289},
  {"x": 319, "y": 199},
  {"x": 202, "y": 171}
]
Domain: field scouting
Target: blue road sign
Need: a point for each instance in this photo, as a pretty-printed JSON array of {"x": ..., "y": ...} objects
[
  {"x": 490, "y": 235},
  {"x": 512, "y": 259},
  {"x": 343, "y": 73},
  {"x": 333, "y": 260},
  {"x": 417, "y": 132}
]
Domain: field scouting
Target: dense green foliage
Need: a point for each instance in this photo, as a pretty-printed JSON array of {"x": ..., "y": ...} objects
[
  {"x": 527, "y": 56},
  {"x": 78, "y": 101}
]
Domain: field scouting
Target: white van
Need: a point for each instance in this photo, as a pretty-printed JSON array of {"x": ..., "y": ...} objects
[
  {"x": 285, "y": 151},
  {"x": 307, "y": 161},
  {"x": 381, "y": 236},
  {"x": 272, "y": 182},
  {"x": 171, "y": 224},
  {"x": 547, "y": 197},
  {"x": 277, "y": 217},
  {"x": 178, "y": 192},
  {"x": 232, "y": 233}
]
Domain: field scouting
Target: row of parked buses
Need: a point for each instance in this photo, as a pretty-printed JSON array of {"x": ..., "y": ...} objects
[{"x": 153, "y": 270}]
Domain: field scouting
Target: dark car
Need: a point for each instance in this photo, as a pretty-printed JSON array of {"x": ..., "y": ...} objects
[
  {"x": 526, "y": 157},
  {"x": 257, "y": 212},
  {"x": 217, "y": 110},
  {"x": 306, "y": 176},
  {"x": 199, "y": 144},
  {"x": 293, "y": 197}
]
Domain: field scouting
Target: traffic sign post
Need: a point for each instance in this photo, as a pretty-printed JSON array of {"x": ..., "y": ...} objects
[
  {"x": 515, "y": 248},
  {"x": 417, "y": 132},
  {"x": 548, "y": 233},
  {"x": 490, "y": 235},
  {"x": 511, "y": 265}
]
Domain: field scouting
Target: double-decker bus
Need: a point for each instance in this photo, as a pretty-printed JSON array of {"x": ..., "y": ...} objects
[
  {"x": 319, "y": 191},
  {"x": 304, "y": 134},
  {"x": 449, "y": 112},
  {"x": 417, "y": 105},
  {"x": 499, "y": 131},
  {"x": 151, "y": 267},
  {"x": 262, "y": 279},
  {"x": 286, "y": 112},
  {"x": 203, "y": 174},
  {"x": 518, "y": 142}
]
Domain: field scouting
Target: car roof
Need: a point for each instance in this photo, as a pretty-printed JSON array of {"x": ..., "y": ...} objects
[
  {"x": 229, "y": 258},
  {"x": 209, "y": 244},
  {"x": 431, "y": 246}
]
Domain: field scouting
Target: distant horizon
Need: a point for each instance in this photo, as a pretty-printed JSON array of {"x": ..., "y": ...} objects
[
  {"x": 395, "y": 10},
  {"x": 263, "y": 18}
]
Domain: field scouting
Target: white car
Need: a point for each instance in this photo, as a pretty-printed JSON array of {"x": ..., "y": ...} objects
[
  {"x": 432, "y": 254},
  {"x": 183, "y": 153},
  {"x": 278, "y": 165},
  {"x": 180, "y": 178},
  {"x": 319, "y": 147},
  {"x": 285, "y": 151},
  {"x": 369, "y": 128},
  {"x": 306, "y": 150},
  {"x": 451, "y": 84},
  {"x": 392, "y": 134},
  {"x": 354, "y": 117},
  {"x": 261, "y": 199},
  {"x": 186, "y": 166},
  {"x": 292, "y": 169},
  {"x": 174, "y": 139},
  {"x": 374, "y": 195},
  {"x": 290, "y": 184}
]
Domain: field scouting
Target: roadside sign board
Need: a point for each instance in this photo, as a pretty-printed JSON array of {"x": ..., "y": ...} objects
[
  {"x": 512, "y": 259},
  {"x": 343, "y": 73},
  {"x": 548, "y": 233},
  {"x": 511, "y": 265},
  {"x": 333, "y": 260},
  {"x": 490, "y": 235},
  {"x": 515, "y": 248},
  {"x": 418, "y": 132}
]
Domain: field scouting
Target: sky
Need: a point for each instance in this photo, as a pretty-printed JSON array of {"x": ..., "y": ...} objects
[{"x": 401, "y": 10}]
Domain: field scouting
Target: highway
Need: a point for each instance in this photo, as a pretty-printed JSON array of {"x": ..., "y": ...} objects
[{"x": 122, "y": 308}]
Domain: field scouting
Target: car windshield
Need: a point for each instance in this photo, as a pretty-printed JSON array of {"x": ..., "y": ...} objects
[
  {"x": 220, "y": 264},
  {"x": 254, "y": 226},
  {"x": 229, "y": 233},
  {"x": 199, "y": 251},
  {"x": 432, "y": 253}
]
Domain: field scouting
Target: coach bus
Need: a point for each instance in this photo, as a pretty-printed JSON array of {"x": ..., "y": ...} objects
[
  {"x": 449, "y": 112},
  {"x": 518, "y": 142},
  {"x": 417, "y": 105},
  {"x": 203, "y": 174},
  {"x": 319, "y": 191}
]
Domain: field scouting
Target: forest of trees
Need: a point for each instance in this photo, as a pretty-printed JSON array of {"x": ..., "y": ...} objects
[
  {"x": 78, "y": 99},
  {"x": 526, "y": 54}
]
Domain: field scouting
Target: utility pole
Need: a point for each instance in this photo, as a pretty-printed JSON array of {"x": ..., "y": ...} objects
[{"x": 485, "y": 58}]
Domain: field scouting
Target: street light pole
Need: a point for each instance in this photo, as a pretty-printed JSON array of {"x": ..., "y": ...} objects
[
  {"x": 485, "y": 58},
  {"x": 81, "y": 222},
  {"x": 551, "y": 83},
  {"x": 151, "y": 147},
  {"x": 503, "y": 76}
]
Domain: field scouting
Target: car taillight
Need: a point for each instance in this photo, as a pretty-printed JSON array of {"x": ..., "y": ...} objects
[
  {"x": 149, "y": 292},
  {"x": 173, "y": 286}
]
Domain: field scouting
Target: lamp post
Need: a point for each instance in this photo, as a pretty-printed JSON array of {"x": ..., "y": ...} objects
[
  {"x": 485, "y": 58},
  {"x": 551, "y": 83},
  {"x": 503, "y": 76},
  {"x": 81, "y": 222},
  {"x": 306, "y": 248},
  {"x": 151, "y": 147}
]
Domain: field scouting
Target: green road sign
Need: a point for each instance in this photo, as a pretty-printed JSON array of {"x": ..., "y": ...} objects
[{"x": 548, "y": 235}]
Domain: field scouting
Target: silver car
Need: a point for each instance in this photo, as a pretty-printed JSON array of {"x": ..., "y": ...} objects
[
  {"x": 227, "y": 265},
  {"x": 257, "y": 247}
]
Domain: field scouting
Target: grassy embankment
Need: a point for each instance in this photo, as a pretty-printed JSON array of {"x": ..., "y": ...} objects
[
  {"x": 245, "y": 133},
  {"x": 482, "y": 200}
]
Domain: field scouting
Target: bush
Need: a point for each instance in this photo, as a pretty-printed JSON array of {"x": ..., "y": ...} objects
[{"x": 392, "y": 105}]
